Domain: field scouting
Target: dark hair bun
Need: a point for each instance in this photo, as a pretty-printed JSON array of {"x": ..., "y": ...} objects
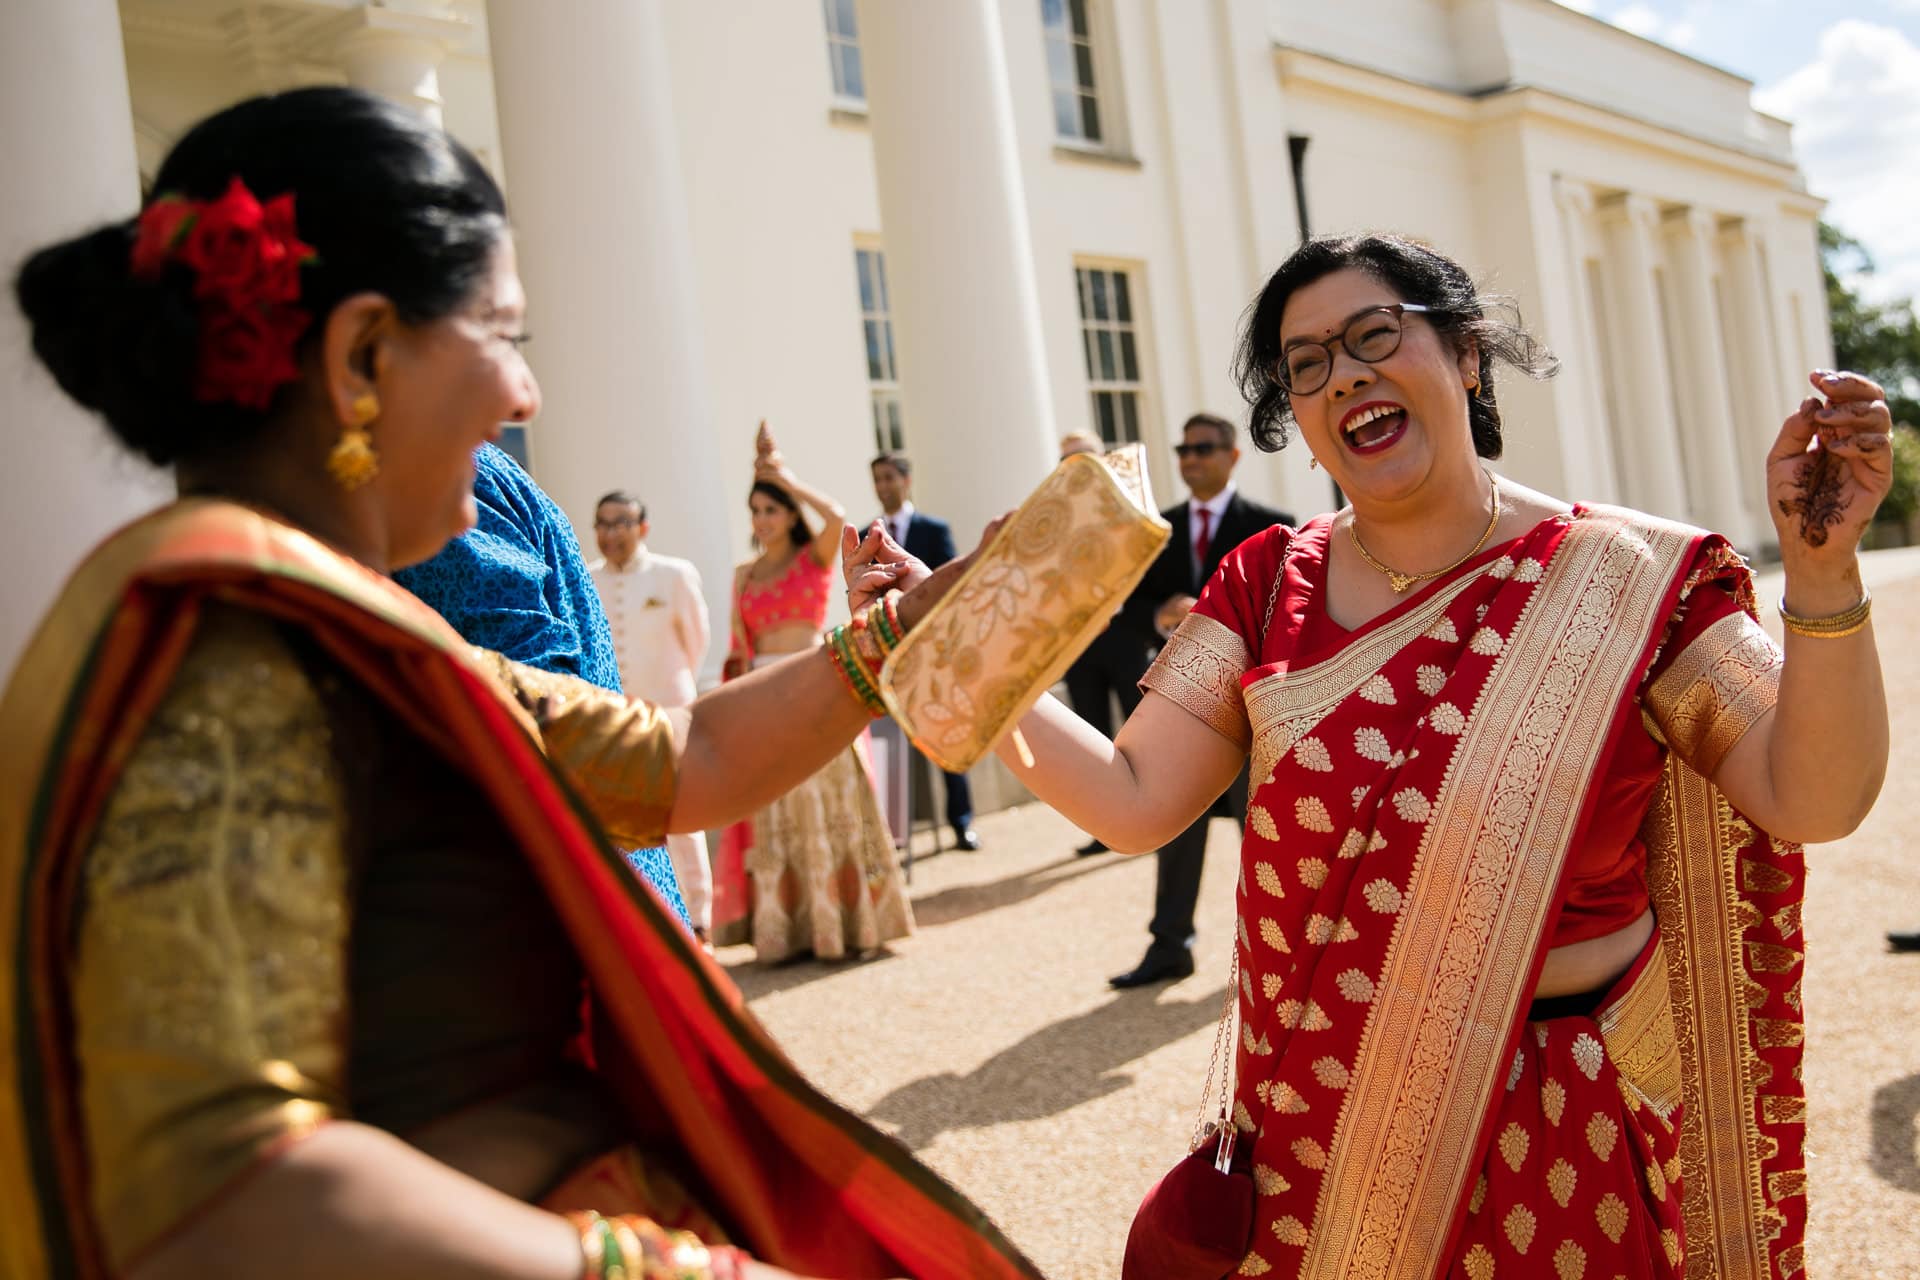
[
  {"x": 390, "y": 204},
  {"x": 121, "y": 347}
]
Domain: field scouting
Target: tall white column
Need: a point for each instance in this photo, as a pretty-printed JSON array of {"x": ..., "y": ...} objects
[
  {"x": 1592, "y": 465},
  {"x": 1759, "y": 403},
  {"x": 1649, "y": 450},
  {"x": 396, "y": 50},
  {"x": 966, "y": 308},
  {"x": 67, "y": 151},
  {"x": 1716, "y": 458},
  {"x": 599, "y": 207}
]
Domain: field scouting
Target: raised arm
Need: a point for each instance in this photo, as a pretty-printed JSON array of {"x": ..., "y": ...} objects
[
  {"x": 1136, "y": 792},
  {"x": 1811, "y": 768},
  {"x": 825, "y": 546}
]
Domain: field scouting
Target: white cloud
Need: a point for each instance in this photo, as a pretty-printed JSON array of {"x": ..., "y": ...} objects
[
  {"x": 1639, "y": 19},
  {"x": 1856, "y": 115}
]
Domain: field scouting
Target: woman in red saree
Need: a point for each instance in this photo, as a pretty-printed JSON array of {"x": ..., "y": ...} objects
[
  {"x": 1519, "y": 943},
  {"x": 299, "y": 894}
]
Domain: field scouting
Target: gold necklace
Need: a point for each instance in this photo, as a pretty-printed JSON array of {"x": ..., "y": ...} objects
[{"x": 1401, "y": 581}]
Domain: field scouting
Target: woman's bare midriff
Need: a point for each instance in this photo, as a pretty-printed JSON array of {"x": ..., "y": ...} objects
[
  {"x": 788, "y": 637},
  {"x": 1594, "y": 963}
]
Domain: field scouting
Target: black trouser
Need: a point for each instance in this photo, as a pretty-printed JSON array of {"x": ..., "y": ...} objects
[
  {"x": 1106, "y": 671},
  {"x": 1176, "y": 885},
  {"x": 959, "y": 801}
]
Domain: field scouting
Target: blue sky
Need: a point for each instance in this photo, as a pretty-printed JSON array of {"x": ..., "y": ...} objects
[{"x": 1846, "y": 73}]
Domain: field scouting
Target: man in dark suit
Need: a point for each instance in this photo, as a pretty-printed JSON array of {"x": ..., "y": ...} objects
[
  {"x": 932, "y": 541},
  {"x": 1213, "y": 520}
]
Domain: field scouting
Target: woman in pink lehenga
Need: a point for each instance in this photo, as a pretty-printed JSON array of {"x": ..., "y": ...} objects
[{"x": 815, "y": 871}]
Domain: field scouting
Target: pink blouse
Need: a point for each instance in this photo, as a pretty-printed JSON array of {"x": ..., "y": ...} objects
[{"x": 798, "y": 595}]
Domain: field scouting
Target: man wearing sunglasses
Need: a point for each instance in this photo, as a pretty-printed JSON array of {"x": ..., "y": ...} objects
[{"x": 1213, "y": 520}]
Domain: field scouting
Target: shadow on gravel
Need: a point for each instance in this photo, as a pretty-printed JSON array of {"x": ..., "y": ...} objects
[
  {"x": 963, "y": 900},
  {"x": 755, "y": 979},
  {"x": 1891, "y": 1152},
  {"x": 1059, "y": 1066}
]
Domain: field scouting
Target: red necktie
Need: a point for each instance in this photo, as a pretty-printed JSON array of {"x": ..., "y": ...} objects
[{"x": 1202, "y": 540}]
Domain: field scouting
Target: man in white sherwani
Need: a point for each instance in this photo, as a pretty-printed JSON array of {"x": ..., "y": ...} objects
[{"x": 660, "y": 635}]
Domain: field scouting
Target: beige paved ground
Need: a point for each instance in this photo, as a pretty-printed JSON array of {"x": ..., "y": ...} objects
[{"x": 991, "y": 1044}]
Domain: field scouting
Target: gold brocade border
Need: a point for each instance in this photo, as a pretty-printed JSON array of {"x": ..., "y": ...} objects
[
  {"x": 1284, "y": 707},
  {"x": 1637, "y": 1030},
  {"x": 1200, "y": 669},
  {"x": 1715, "y": 690},
  {"x": 1458, "y": 962},
  {"x": 1691, "y": 880}
]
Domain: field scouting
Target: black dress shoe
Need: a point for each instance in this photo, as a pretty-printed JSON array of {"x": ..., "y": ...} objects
[
  {"x": 1903, "y": 941},
  {"x": 1090, "y": 848},
  {"x": 1159, "y": 966},
  {"x": 967, "y": 838}
]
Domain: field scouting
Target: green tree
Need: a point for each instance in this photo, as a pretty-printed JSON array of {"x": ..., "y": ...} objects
[{"x": 1881, "y": 340}]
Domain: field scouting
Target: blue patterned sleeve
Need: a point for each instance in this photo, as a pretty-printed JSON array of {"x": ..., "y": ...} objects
[{"x": 516, "y": 583}]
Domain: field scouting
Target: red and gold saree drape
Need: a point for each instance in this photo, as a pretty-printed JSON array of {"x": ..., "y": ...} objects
[
  {"x": 1415, "y": 794},
  {"x": 801, "y": 1182}
]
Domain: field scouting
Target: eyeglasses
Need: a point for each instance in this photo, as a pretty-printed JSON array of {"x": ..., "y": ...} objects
[
  {"x": 1369, "y": 337},
  {"x": 627, "y": 522},
  {"x": 1202, "y": 450}
]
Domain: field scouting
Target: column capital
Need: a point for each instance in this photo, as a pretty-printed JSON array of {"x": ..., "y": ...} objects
[
  {"x": 1691, "y": 221},
  {"x": 397, "y": 51},
  {"x": 1572, "y": 195},
  {"x": 1630, "y": 207}
]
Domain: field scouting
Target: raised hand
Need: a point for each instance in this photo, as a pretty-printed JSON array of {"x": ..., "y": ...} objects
[
  {"x": 1829, "y": 469},
  {"x": 874, "y": 564}
]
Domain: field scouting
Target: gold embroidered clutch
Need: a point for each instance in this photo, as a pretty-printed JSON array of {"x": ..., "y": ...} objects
[{"x": 1031, "y": 603}]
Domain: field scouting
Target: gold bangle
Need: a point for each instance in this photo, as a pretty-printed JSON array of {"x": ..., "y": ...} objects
[
  {"x": 1855, "y": 629},
  {"x": 1844, "y": 623}
]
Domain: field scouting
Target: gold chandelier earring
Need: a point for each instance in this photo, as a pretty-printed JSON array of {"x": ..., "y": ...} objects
[{"x": 352, "y": 461}]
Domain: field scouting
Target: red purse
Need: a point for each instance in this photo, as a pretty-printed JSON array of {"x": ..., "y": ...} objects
[{"x": 1197, "y": 1221}]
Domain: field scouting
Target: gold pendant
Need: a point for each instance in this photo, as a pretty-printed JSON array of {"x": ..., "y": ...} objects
[{"x": 1400, "y": 581}]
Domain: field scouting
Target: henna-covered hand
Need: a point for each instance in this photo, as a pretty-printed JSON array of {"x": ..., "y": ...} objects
[{"x": 1829, "y": 469}]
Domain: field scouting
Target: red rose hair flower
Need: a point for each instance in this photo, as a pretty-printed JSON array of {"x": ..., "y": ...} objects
[{"x": 246, "y": 260}]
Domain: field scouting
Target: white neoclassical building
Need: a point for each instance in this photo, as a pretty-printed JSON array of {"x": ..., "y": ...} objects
[{"x": 969, "y": 226}]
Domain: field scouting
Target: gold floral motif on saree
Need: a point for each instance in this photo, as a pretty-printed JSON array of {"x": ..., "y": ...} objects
[
  {"x": 1428, "y": 1066},
  {"x": 1715, "y": 690}
]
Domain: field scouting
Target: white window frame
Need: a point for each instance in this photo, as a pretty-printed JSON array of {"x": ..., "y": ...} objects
[
  {"x": 1089, "y": 49},
  {"x": 883, "y": 376},
  {"x": 844, "y": 46},
  {"x": 1107, "y": 362}
]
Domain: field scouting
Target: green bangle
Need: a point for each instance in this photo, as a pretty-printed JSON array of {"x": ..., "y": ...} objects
[
  {"x": 856, "y": 674},
  {"x": 613, "y": 1263}
]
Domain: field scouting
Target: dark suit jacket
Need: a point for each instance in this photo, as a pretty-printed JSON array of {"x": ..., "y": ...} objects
[
  {"x": 929, "y": 538},
  {"x": 1172, "y": 573}
]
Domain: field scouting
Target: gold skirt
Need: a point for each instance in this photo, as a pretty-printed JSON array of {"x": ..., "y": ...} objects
[{"x": 824, "y": 874}]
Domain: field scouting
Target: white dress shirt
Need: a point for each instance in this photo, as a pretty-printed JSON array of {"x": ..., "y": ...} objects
[
  {"x": 1215, "y": 507},
  {"x": 897, "y": 522},
  {"x": 659, "y": 622}
]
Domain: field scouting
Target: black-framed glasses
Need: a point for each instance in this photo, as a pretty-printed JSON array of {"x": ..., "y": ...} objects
[
  {"x": 1370, "y": 337},
  {"x": 624, "y": 522},
  {"x": 1204, "y": 449}
]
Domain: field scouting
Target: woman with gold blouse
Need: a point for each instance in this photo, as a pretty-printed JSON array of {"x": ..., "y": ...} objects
[{"x": 319, "y": 957}]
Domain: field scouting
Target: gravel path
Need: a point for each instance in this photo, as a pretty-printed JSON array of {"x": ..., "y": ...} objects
[{"x": 991, "y": 1044}]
